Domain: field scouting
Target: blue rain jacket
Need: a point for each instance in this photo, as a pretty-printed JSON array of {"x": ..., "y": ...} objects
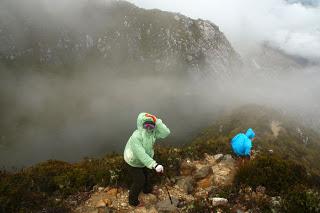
[{"x": 242, "y": 144}]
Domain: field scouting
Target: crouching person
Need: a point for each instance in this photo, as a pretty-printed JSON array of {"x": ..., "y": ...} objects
[
  {"x": 139, "y": 154},
  {"x": 241, "y": 145}
]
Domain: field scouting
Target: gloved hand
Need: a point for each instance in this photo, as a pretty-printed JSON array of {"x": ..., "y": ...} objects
[
  {"x": 159, "y": 168},
  {"x": 154, "y": 118}
]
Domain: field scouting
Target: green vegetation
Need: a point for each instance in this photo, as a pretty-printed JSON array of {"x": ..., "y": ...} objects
[
  {"x": 276, "y": 174},
  {"x": 287, "y": 179},
  {"x": 38, "y": 186},
  {"x": 301, "y": 199}
]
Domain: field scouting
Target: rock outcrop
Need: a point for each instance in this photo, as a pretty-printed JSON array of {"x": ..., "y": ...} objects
[{"x": 211, "y": 172}]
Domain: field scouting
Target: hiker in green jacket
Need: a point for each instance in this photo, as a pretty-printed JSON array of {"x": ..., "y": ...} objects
[{"x": 139, "y": 153}]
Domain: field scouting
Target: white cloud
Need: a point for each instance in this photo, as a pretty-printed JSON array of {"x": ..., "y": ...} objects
[{"x": 294, "y": 28}]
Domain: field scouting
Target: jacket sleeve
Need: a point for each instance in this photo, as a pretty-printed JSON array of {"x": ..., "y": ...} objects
[
  {"x": 141, "y": 154},
  {"x": 248, "y": 146},
  {"x": 162, "y": 131}
]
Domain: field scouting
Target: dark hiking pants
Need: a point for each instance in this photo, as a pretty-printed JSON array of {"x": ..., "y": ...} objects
[{"x": 140, "y": 182}]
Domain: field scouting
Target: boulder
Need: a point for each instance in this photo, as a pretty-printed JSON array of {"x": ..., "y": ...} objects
[
  {"x": 187, "y": 168},
  {"x": 186, "y": 184},
  {"x": 202, "y": 173}
]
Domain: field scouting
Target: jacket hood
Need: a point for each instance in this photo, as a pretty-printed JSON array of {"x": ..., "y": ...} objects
[
  {"x": 141, "y": 119},
  {"x": 250, "y": 133}
]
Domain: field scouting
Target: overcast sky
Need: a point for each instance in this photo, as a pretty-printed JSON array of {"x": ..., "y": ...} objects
[{"x": 294, "y": 28}]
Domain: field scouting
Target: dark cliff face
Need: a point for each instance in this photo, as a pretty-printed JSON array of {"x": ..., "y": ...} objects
[{"x": 112, "y": 34}]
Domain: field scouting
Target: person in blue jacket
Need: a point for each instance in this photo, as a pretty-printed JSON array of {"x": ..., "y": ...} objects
[{"x": 242, "y": 144}]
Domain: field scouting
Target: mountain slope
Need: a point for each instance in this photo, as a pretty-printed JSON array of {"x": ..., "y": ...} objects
[
  {"x": 285, "y": 178},
  {"x": 276, "y": 132},
  {"x": 113, "y": 33}
]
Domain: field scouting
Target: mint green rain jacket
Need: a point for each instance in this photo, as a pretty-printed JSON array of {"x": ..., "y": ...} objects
[{"x": 139, "y": 149}]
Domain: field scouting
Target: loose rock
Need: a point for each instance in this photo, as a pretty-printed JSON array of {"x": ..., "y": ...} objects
[
  {"x": 186, "y": 168},
  {"x": 166, "y": 206},
  {"x": 186, "y": 184},
  {"x": 112, "y": 192},
  {"x": 202, "y": 173},
  {"x": 217, "y": 201},
  {"x": 205, "y": 183},
  {"x": 100, "y": 204},
  {"x": 218, "y": 157}
]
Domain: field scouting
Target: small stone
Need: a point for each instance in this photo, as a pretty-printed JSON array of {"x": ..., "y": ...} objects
[
  {"x": 112, "y": 192},
  {"x": 124, "y": 204},
  {"x": 261, "y": 189},
  {"x": 100, "y": 189},
  {"x": 248, "y": 189},
  {"x": 95, "y": 187},
  {"x": 217, "y": 201},
  {"x": 201, "y": 194},
  {"x": 218, "y": 157},
  {"x": 228, "y": 159},
  {"x": 276, "y": 201},
  {"x": 107, "y": 202},
  {"x": 148, "y": 198},
  {"x": 100, "y": 204},
  {"x": 106, "y": 189}
]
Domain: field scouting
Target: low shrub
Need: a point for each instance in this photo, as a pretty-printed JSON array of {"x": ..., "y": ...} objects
[
  {"x": 301, "y": 199},
  {"x": 273, "y": 172}
]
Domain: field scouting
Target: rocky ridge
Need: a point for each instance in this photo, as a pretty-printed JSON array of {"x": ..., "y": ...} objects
[
  {"x": 198, "y": 180},
  {"x": 116, "y": 33}
]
